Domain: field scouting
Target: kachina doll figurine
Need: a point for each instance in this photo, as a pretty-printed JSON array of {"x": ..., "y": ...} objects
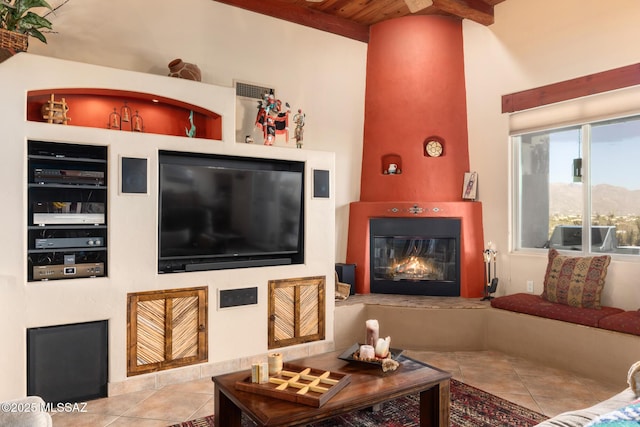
[
  {"x": 298, "y": 119},
  {"x": 272, "y": 118}
]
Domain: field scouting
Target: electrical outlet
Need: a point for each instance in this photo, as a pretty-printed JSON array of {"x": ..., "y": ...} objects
[{"x": 530, "y": 286}]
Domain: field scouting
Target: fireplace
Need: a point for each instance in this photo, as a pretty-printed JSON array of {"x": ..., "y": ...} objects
[{"x": 415, "y": 256}]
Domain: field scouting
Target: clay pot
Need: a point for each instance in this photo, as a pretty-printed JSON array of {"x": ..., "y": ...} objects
[{"x": 184, "y": 70}]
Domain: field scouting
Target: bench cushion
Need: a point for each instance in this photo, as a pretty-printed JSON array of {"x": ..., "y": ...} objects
[
  {"x": 627, "y": 322},
  {"x": 537, "y": 306}
]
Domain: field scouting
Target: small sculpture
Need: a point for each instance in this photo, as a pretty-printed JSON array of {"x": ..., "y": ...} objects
[
  {"x": 191, "y": 132},
  {"x": 55, "y": 111},
  {"x": 272, "y": 118},
  {"x": 299, "y": 119}
]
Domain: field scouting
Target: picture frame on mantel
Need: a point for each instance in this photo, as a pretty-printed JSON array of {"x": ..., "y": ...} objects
[{"x": 470, "y": 186}]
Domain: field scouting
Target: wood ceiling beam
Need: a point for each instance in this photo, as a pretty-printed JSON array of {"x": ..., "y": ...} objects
[
  {"x": 592, "y": 84},
  {"x": 304, "y": 16},
  {"x": 475, "y": 10}
]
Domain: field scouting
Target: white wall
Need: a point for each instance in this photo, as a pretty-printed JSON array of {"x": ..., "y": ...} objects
[{"x": 533, "y": 44}]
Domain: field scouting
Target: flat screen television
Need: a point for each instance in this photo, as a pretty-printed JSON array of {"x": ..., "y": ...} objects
[{"x": 219, "y": 212}]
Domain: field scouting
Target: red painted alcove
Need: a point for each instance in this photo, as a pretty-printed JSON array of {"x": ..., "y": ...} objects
[
  {"x": 91, "y": 107},
  {"x": 415, "y": 89}
]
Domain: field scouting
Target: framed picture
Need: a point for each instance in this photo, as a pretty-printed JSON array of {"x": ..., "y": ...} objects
[{"x": 470, "y": 187}]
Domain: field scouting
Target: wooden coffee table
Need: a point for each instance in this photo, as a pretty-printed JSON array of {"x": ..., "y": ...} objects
[{"x": 368, "y": 387}]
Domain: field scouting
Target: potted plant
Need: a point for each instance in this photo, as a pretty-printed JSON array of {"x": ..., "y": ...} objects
[{"x": 18, "y": 22}]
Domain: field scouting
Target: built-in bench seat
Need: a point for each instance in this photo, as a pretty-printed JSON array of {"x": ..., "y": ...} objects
[
  {"x": 610, "y": 318},
  {"x": 537, "y": 306}
]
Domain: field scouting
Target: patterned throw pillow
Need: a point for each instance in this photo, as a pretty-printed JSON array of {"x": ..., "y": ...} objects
[
  {"x": 627, "y": 416},
  {"x": 575, "y": 281}
]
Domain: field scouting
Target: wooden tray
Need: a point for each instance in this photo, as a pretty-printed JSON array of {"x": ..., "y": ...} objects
[{"x": 299, "y": 384}]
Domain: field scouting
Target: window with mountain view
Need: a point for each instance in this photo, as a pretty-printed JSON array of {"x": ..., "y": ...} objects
[{"x": 578, "y": 187}]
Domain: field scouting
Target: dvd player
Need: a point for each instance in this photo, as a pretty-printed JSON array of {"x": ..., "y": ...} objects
[
  {"x": 68, "y": 176},
  {"x": 61, "y": 271},
  {"x": 68, "y": 213},
  {"x": 69, "y": 242}
]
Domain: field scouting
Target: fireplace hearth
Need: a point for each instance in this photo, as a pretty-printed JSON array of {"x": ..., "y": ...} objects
[{"x": 415, "y": 256}]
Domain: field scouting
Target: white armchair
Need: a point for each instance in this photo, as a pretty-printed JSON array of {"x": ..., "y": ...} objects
[{"x": 25, "y": 412}]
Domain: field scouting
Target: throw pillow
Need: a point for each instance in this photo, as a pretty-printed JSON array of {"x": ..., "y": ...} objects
[
  {"x": 626, "y": 416},
  {"x": 575, "y": 281}
]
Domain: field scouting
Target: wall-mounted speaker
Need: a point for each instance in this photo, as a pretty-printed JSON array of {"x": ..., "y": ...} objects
[
  {"x": 321, "y": 183},
  {"x": 134, "y": 175}
]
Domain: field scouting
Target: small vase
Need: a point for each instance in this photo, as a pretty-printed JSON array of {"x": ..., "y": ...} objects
[{"x": 184, "y": 70}]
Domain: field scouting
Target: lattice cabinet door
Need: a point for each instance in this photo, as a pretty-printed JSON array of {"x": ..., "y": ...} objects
[
  {"x": 296, "y": 311},
  {"x": 166, "y": 329}
]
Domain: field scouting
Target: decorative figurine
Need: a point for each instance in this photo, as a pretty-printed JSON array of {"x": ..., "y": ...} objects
[
  {"x": 272, "y": 118},
  {"x": 191, "y": 132},
  {"x": 299, "y": 119}
]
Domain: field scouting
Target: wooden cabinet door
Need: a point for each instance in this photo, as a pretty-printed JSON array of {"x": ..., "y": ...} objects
[
  {"x": 166, "y": 329},
  {"x": 296, "y": 311}
]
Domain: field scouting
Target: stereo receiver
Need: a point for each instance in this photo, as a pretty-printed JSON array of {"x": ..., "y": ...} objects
[{"x": 61, "y": 271}]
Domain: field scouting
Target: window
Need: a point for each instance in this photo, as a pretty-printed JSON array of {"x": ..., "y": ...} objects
[{"x": 578, "y": 187}]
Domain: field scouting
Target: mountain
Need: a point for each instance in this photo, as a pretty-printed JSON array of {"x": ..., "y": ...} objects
[{"x": 606, "y": 199}]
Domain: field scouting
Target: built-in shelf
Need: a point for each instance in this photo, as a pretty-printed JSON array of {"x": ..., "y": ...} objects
[
  {"x": 92, "y": 107},
  {"x": 391, "y": 159},
  {"x": 66, "y": 219}
]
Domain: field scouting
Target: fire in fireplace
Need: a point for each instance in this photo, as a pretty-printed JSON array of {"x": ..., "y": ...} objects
[{"x": 415, "y": 256}]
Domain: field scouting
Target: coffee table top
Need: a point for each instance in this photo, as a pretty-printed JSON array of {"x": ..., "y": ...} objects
[{"x": 369, "y": 386}]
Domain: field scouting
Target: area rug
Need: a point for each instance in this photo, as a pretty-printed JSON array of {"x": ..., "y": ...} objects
[{"x": 470, "y": 407}]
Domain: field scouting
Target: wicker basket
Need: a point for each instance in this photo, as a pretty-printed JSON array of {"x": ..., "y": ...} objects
[{"x": 13, "y": 41}]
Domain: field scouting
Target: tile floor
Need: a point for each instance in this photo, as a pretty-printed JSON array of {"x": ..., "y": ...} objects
[{"x": 532, "y": 385}]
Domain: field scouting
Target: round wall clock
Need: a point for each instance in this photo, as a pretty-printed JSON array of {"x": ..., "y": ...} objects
[{"x": 433, "y": 148}]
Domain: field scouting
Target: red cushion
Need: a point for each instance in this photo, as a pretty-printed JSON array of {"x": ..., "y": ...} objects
[
  {"x": 627, "y": 322},
  {"x": 537, "y": 306}
]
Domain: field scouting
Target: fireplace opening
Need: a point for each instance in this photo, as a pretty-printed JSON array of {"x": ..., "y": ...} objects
[{"x": 415, "y": 256}]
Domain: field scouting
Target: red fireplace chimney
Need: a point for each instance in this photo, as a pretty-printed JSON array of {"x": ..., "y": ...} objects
[{"x": 415, "y": 93}]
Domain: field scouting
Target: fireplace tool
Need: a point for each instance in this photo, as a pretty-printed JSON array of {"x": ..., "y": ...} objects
[{"x": 492, "y": 282}]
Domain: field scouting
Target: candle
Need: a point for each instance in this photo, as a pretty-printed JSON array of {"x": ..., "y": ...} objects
[
  {"x": 372, "y": 332},
  {"x": 275, "y": 363}
]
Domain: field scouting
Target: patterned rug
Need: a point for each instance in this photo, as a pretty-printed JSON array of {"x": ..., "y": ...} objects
[{"x": 470, "y": 407}]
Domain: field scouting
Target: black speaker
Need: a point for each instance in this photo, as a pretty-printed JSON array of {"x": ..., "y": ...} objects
[
  {"x": 134, "y": 175},
  {"x": 347, "y": 274},
  {"x": 321, "y": 183}
]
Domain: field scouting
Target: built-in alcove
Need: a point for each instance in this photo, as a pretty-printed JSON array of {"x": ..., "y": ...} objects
[
  {"x": 93, "y": 107},
  {"x": 388, "y": 160}
]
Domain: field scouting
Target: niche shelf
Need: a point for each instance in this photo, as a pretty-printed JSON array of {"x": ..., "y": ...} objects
[
  {"x": 92, "y": 107},
  {"x": 391, "y": 159}
]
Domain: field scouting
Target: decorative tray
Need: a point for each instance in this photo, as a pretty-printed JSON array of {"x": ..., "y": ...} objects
[
  {"x": 350, "y": 355},
  {"x": 299, "y": 384}
]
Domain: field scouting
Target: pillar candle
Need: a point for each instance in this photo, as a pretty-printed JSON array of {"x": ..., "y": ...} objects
[
  {"x": 275, "y": 363},
  {"x": 372, "y": 332}
]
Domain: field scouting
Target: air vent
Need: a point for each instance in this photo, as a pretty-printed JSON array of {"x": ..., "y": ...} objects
[{"x": 252, "y": 91}]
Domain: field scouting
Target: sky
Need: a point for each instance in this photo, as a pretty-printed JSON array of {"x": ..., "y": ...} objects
[{"x": 615, "y": 153}]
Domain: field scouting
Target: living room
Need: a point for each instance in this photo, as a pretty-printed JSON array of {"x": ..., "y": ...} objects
[{"x": 529, "y": 45}]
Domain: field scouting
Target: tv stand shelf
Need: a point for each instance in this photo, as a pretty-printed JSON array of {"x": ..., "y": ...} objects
[{"x": 67, "y": 211}]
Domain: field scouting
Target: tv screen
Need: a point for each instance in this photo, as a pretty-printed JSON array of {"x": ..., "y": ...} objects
[{"x": 229, "y": 212}]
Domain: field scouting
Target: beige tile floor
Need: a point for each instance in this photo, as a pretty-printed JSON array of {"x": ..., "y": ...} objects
[{"x": 546, "y": 390}]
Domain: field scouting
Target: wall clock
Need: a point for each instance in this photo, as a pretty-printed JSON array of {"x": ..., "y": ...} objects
[{"x": 433, "y": 148}]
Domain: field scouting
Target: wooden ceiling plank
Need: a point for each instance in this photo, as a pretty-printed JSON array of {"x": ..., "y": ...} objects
[
  {"x": 475, "y": 10},
  {"x": 304, "y": 16}
]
